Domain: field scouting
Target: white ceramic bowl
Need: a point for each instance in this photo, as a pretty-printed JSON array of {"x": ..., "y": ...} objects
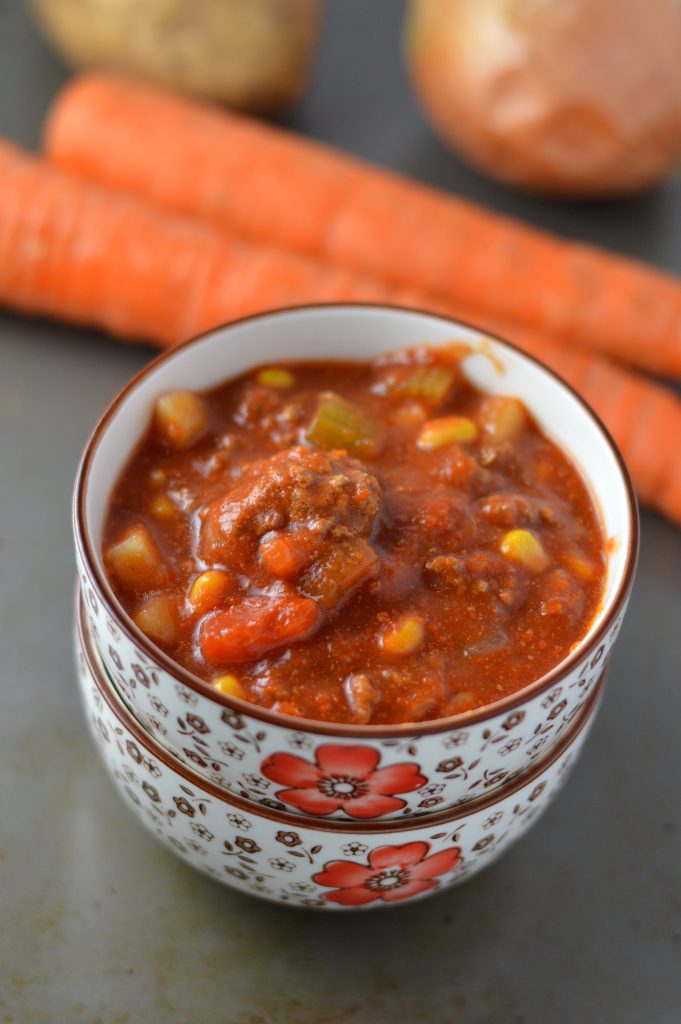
[
  {"x": 435, "y": 764},
  {"x": 279, "y": 856}
]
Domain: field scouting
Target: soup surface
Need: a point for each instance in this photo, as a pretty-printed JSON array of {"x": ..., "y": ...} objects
[{"x": 365, "y": 543}]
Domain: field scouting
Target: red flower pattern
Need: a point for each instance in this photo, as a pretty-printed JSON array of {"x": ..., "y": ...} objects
[
  {"x": 342, "y": 778},
  {"x": 393, "y": 873}
]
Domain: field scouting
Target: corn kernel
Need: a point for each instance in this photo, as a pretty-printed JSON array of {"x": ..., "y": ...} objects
[
  {"x": 522, "y": 546},
  {"x": 275, "y": 377},
  {"x": 446, "y": 430},
  {"x": 162, "y": 507},
  {"x": 180, "y": 418},
  {"x": 158, "y": 618},
  {"x": 208, "y": 589},
  {"x": 404, "y": 637},
  {"x": 228, "y": 686}
]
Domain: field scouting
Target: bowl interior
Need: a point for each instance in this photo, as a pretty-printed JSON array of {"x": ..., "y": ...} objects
[{"x": 360, "y": 332}]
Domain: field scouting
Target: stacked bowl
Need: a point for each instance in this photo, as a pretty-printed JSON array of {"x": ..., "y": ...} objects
[{"x": 309, "y": 812}]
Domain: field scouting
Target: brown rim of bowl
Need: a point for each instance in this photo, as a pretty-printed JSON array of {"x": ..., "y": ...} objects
[
  {"x": 461, "y": 720},
  {"x": 107, "y": 689}
]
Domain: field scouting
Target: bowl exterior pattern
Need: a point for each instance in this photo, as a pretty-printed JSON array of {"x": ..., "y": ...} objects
[
  {"x": 364, "y": 777},
  {"x": 298, "y": 862}
]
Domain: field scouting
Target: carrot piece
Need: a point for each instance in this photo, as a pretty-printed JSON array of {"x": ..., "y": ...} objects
[
  {"x": 255, "y": 626},
  {"x": 286, "y": 552},
  {"x": 245, "y": 176}
]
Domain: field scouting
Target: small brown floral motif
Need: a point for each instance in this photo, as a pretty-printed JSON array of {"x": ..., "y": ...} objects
[
  {"x": 177, "y": 844},
  {"x": 430, "y": 801},
  {"x": 288, "y": 839},
  {"x": 232, "y": 719},
  {"x": 201, "y": 831},
  {"x": 299, "y": 741},
  {"x": 230, "y": 750},
  {"x": 151, "y": 792},
  {"x": 484, "y": 842},
  {"x": 184, "y": 806},
  {"x": 434, "y": 789},
  {"x": 557, "y": 709},
  {"x": 134, "y": 751},
  {"x": 256, "y": 781},
  {"x": 301, "y": 887},
  {"x": 238, "y": 821},
  {"x": 103, "y": 731},
  {"x": 515, "y": 719},
  {"x": 493, "y": 819},
  {"x": 116, "y": 658},
  {"x": 158, "y": 706},
  {"x": 450, "y": 764},
  {"x": 197, "y": 723},
  {"x": 354, "y": 849},
  {"x": 141, "y": 676},
  {"x": 247, "y": 845},
  {"x": 152, "y": 768},
  {"x": 281, "y": 864},
  {"x": 509, "y": 747},
  {"x": 186, "y": 695},
  {"x": 537, "y": 791},
  {"x": 157, "y": 726},
  {"x": 196, "y": 847},
  {"x": 457, "y": 739},
  {"x": 195, "y": 758}
]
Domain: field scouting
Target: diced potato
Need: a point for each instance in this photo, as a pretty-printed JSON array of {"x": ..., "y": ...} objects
[
  {"x": 580, "y": 566},
  {"x": 404, "y": 636},
  {"x": 158, "y": 618},
  {"x": 229, "y": 686},
  {"x": 446, "y": 430},
  {"x": 136, "y": 561},
  {"x": 180, "y": 418},
  {"x": 522, "y": 546},
  {"x": 502, "y": 419},
  {"x": 275, "y": 377},
  {"x": 209, "y": 589},
  {"x": 162, "y": 507},
  {"x": 340, "y": 424}
]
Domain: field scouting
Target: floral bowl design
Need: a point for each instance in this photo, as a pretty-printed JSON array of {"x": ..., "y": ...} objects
[
  {"x": 320, "y": 863},
  {"x": 348, "y": 772}
]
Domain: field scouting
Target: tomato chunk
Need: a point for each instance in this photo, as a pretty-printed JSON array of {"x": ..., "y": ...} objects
[{"x": 256, "y": 625}]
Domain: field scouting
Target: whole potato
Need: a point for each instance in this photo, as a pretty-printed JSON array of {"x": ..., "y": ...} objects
[
  {"x": 571, "y": 97},
  {"x": 251, "y": 54}
]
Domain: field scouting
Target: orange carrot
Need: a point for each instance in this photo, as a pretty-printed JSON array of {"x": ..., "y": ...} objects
[
  {"x": 265, "y": 184},
  {"x": 74, "y": 251}
]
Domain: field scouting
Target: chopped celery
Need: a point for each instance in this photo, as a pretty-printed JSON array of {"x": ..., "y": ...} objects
[{"x": 340, "y": 424}]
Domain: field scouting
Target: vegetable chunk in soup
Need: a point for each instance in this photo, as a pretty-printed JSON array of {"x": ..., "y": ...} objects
[{"x": 364, "y": 543}]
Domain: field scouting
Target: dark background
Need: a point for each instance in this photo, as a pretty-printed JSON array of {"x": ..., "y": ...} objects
[{"x": 580, "y": 922}]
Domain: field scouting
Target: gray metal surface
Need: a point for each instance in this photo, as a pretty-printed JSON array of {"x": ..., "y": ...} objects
[{"x": 580, "y": 922}]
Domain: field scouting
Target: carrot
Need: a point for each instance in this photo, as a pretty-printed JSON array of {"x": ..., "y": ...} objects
[
  {"x": 265, "y": 184},
  {"x": 75, "y": 251},
  {"x": 72, "y": 250}
]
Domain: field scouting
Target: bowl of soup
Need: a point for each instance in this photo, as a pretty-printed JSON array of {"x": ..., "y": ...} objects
[{"x": 352, "y": 561}]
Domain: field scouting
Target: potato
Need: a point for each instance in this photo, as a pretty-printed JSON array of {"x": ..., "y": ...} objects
[
  {"x": 252, "y": 55},
  {"x": 577, "y": 97}
]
